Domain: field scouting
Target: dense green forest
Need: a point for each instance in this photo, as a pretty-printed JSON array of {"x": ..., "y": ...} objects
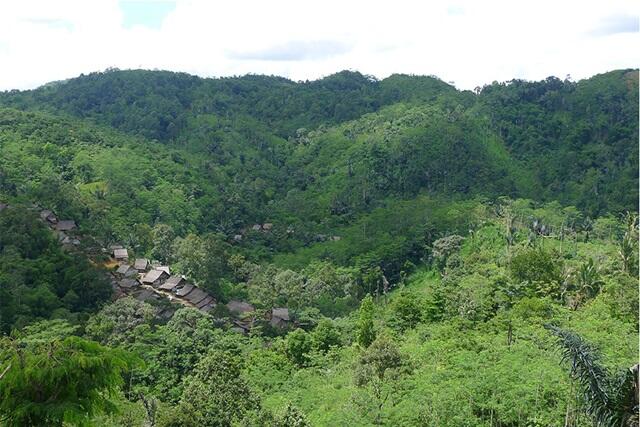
[{"x": 447, "y": 258}]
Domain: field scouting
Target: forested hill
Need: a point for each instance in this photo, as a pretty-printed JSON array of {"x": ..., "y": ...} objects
[
  {"x": 573, "y": 142},
  {"x": 371, "y": 252},
  {"x": 158, "y": 104},
  {"x": 123, "y": 150}
]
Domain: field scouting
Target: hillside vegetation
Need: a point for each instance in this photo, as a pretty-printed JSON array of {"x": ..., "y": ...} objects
[{"x": 436, "y": 249}]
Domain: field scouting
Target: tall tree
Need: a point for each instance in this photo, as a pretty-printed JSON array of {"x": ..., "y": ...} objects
[
  {"x": 365, "y": 333},
  {"x": 53, "y": 382}
]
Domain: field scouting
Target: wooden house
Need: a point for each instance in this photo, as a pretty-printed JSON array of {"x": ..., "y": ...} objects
[
  {"x": 172, "y": 283},
  {"x": 184, "y": 290},
  {"x": 163, "y": 268},
  {"x": 196, "y": 295},
  {"x": 128, "y": 283},
  {"x": 240, "y": 307},
  {"x": 48, "y": 216},
  {"x": 126, "y": 270},
  {"x": 66, "y": 225},
  {"x": 141, "y": 264},
  {"x": 121, "y": 254},
  {"x": 279, "y": 317},
  {"x": 155, "y": 278}
]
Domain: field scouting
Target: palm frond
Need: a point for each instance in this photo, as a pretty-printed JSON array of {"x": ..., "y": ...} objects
[{"x": 609, "y": 398}]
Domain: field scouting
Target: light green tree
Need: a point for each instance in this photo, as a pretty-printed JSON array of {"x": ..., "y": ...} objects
[{"x": 365, "y": 333}]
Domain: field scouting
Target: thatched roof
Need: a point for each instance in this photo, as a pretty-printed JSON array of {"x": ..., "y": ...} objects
[
  {"x": 126, "y": 270},
  {"x": 128, "y": 283},
  {"x": 141, "y": 264},
  {"x": 167, "y": 313},
  {"x": 281, "y": 313},
  {"x": 172, "y": 282},
  {"x": 145, "y": 295},
  {"x": 207, "y": 308},
  {"x": 66, "y": 225},
  {"x": 163, "y": 268},
  {"x": 120, "y": 254},
  {"x": 184, "y": 291},
  {"x": 47, "y": 215},
  {"x": 196, "y": 295},
  {"x": 154, "y": 275},
  {"x": 208, "y": 300},
  {"x": 240, "y": 307}
]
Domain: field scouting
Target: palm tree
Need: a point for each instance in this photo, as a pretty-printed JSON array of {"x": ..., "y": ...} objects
[
  {"x": 627, "y": 249},
  {"x": 611, "y": 399},
  {"x": 585, "y": 282},
  {"x": 627, "y": 253}
]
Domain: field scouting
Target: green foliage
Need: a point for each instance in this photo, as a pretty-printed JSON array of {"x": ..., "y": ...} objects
[
  {"x": 611, "y": 399},
  {"x": 567, "y": 132},
  {"x": 366, "y": 186},
  {"x": 539, "y": 269},
  {"x": 291, "y": 416},
  {"x": 163, "y": 236},
  {"x": 120, "y": 323},
  {"x": 215, "y": 394},
  {"x": 298, "y": 345},
  {"x": 178, "y": 347},
  {"x": 406, "y": 311},
  {"x": 444, "y": 248},
  {"x": 38, "y": 279},
  {"x": 325, "y": 336},
  {"x": 365, "y": 332},
  {"x": 59, "y": 381},
  {"x": 379, "y": 368}
]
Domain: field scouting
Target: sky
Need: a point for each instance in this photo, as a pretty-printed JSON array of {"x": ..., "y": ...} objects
[{"x": 466, "y": 42}]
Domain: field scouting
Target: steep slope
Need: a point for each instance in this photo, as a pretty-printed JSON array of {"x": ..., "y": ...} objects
[
  {"x": 318, "y": 158},
  {"x": 157, "y": 104},
  {"x": 580, "y": 139}
]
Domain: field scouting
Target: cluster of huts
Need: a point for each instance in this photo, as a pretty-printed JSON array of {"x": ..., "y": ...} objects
[
  {"x": 62, "y": 227},
  {"x": 147, "y": 280},
  {"x": 158, "y": 279},
  {"x": 245, "y": 316}
]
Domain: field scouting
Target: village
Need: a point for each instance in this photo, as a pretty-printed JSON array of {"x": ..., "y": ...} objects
[{"x": 150, "y": 281}]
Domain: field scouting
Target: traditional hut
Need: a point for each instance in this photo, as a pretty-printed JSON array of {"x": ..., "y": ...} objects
[
  {"x": 240, "y": 307},
  {"x": 48, "y": 216},
  {"x": 121, "y": 254},
  {"x": 196, "y": 296},
  {"x": 126, "y": 271},
  {"x": 172, "y": 283},
  {"x": 184, "y": 290},
  {"x": 141, "y": 264},
  {"x": 66, "y": 225},
  {"x": 155, "y": 278},
  {"x": 279, "y": 317},
  {"x": 128, "y": 283}
]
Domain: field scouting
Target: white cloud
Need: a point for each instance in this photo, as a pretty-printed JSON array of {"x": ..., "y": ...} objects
[{"x": 468, "y": 42}]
